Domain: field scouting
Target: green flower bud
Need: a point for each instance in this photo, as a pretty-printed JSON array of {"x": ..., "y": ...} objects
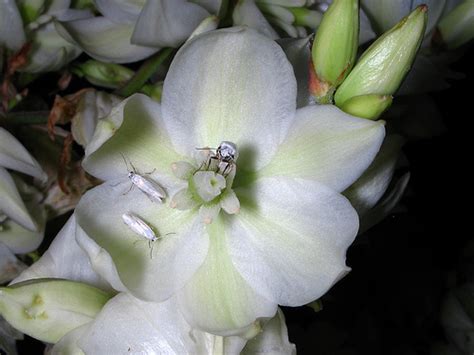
[
  {"x": 383, "y": 66},
  {"x": 367, "y": 106},
  {"x": 47, "y": 309},
  {"x": 457, "y": 27},
  {"x": 335, "y": 47},
  {"x": 30, "y": 9},
  {"x": 108, "y": 75}
]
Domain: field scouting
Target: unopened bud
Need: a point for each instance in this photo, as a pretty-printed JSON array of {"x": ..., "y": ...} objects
[
  {"x": 457, "y": 27},
  {"x": 306, "y": 17},
  {"x": 384, "y": 65},
  {"x": 335, "y": 47},
  {"x": 30, "y": 9},
  {"x": 367, "y": 106},
  {"x": 47, "y": 309},
  {"x": 108, "y": 75}
]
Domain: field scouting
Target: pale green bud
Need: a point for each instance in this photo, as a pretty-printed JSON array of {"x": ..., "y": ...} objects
[
  {"x": 108, "y": 75},
  {"x": 457, "y": 27},
  {"x": 383, "y": 66},
  {"x": 30, "y": 9},
  {"x": 47, "y": 309},
  {"x": 367, "y": 106},
  {"x": 335, "y": 47}
]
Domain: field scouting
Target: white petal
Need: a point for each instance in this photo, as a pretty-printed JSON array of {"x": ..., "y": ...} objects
[
  {"x": 290, "y": 238},
  {"x": 217, "y": 299},
  {"x": 246, "y": 13},
  {"x": 104, "y": 40},
  {"x": 14, "y": 156},
  {"x": 385, "y": 205},
  {"x": 127, "y": 325},
  {"x": 230, "y": 85},
  {"x": 273, "y": 340},
  {"x": 174, "y": 257},
  {"x": 298, "y": 52},
  {"x": 373, "y": 183},
  {"x": 133, "y": 131},
  {"x": 12, "y": 35},
  {"x": 11, "y": 203},
  {"x": 120, "y": 11},
  {"x": 167, "y": 23},
  {"x": 327, "y": 145},
  {"x": 50, "y": 51},
  {"x": 64, "y": 259},
  {"x": 68, "y": 343},
  {"x": 92, "y": 106},
  {"x": 10, "y": 267},
  {"x": 213, "y": 6}
]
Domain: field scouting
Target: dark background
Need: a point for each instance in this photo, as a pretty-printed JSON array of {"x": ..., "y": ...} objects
[{"x": 403, "y": 267}]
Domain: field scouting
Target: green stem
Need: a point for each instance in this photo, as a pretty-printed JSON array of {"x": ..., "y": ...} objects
[
  {"x": 147, "y": 69},
  {"x": 25, "y": 117}
]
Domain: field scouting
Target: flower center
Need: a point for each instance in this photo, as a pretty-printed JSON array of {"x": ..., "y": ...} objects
[{"x": 209, "y": 182}]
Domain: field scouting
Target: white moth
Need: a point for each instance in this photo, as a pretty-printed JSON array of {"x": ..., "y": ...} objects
[
  {"x": 137, "y": 225},
  {"x": 150, "y": 188}
]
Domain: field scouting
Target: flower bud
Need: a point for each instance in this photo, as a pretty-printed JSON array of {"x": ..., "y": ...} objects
[
  {"x": 306, "y": 17},
  {"x": 335, "y": 47},
  {"x": 457, "y": 27},
  {"x": 109, "y": 75},
  {"x": 367, "y": 106},
  {"x": 47, "y": 309},
  {"x": 383, "y": 66},
  {"x": 30, "y": 9}
]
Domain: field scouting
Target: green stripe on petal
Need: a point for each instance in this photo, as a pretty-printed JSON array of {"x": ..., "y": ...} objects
[
  {"x": 327, "y": 145},
  {"x": 148, "y": 274},
  {"x": 230, "y": 85},
  {"x": 290, "y": 244},
  {"x": 217, "y": 299}
]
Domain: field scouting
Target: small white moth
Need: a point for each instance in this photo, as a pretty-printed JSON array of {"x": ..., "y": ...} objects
[
  {"x": 150, "y": 188},
  {"x": 137, "y": 225}
]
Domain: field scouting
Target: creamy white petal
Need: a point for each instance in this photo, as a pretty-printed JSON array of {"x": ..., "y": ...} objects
[
  {"x": 213, "y": 6},
  {"x": 151, "y": 271},
  {"x": 373, "y": 183},
  {"x": 67, "y": 345},
  {"x": 12, "y": 35},
  {"x": 273, "y": 340},
  {"x": 120, "y": 11},
  {"x": 290, "y": 238},
  {"x": 327, "y": 145},
  {"x": 14, "y": 156},
  {"x": 11, "y": 203},
  {"x": 217, "y": 299},
  {"x": 64, "y": 259},
  {"x": 50, "y": 51},
  {"x": 92, "y": 106},
  {"x": 133, "y": 131},
  {"x": 127, "y": 325},
  {"x": 246, "y": 13},
  {"x": 234, "y": 85},
  {"x": 167, "y": 23},
  {"x": 104, "y": 40}
]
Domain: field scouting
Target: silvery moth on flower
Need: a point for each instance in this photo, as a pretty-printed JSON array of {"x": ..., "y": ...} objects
[{"x": 147, "y": 186}]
